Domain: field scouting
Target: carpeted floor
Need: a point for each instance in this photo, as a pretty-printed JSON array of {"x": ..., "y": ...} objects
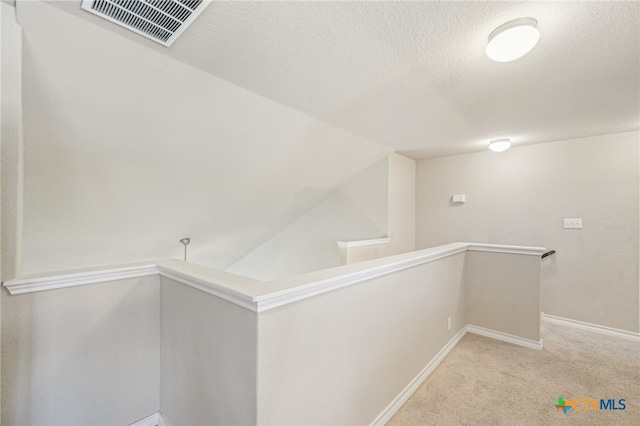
[{"x": 486, "y": 382}]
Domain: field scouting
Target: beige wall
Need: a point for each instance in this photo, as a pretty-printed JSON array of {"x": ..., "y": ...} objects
[
  {"x": 115, "y": 352},
  {"x": 358, "y": 210},
  {"x": 503, "y": 293},
  {"x": 12, "y": 148},
  {"x": 208, "y": 358},
  {"x": 85, "y": 355},
  {"x": 127, "y": 151},
  {"x": 1, "y": 27},
  {"x": 402, "y": 204},
  {"x": 521, "y": 197},
  {"x": 378, "y": 202},
  {"x": 401, "y": 210},
  {"x": 360, "y": 253},
  {"x": 343, "y": 356}
]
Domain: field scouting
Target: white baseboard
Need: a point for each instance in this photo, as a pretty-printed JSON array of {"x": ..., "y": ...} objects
[
  {"x": 155, "y": 419},
  {"x": 509, "y": 338},
  {"x": 591, "y": 327},
  {"x": 150, "y": 420},
  {"x": 162, "y": 420},
  {"x": 406, "y": 393}
]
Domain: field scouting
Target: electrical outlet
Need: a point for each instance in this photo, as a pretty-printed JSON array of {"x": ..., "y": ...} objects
[
  {"x": 572, "y": 223},
  {"x": 449, "y": 324}
]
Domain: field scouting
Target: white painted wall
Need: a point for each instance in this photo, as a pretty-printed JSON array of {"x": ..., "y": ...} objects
[
  {"x": 86, "y": 355},
  {"x": 378, "y": 202},
  {"x": 361, "y": 250},
  {"x": 342, "y": 357},
  {"x": 219, "y": 348},
  {"x": 208, "y": 358},
  {"x": 402, "y": 204},
  {"x": 127, "y": 151},
  {"x": 11, "y": 148},
  {"x": 1, "y": 27},
  {"x": 522, "y": 195},
  {"x": 503, "y": 293},
  {"x": 358, "y": 210}
]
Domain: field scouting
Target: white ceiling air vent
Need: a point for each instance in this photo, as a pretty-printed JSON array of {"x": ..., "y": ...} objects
[{"x": 160, "y": 20}]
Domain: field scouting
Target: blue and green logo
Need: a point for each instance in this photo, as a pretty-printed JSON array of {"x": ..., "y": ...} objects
[{"x": 589, "y": 404}]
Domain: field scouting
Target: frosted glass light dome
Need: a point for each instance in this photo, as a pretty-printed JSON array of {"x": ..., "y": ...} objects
[
  {"x": 500, "y": 145},
  {"x": 513, "y": 39}
]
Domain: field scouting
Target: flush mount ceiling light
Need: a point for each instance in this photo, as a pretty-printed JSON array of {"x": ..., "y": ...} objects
[
  {"x": 499, "y": 145},
  {"x": 513, "y": 39}
]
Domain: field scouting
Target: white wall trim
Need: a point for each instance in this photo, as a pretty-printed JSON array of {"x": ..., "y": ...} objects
[
  {"x": 285, "y": 291},
  {"x": 155, "y": 419},
  {"x": 495, "y": 248},
  {"x": 220, "y": 291},
  {"x": 294, "y": 293},
  {"x": 362, "y": 243},
  {"x": 150, "y": 420},
  {"x": 509, "y": 338},
  {"x": 410, "y": 389},
  {"x": 162, "y": 420},
  {"x": 591, "y": 327},
  {"x": 34, "y": 284},
  {"x": 413, "y": 386}
]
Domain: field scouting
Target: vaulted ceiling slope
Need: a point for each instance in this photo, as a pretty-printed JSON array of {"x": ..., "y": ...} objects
[
  {"x": 414, "y": 75},
  {"x": 127, "y": 151}
]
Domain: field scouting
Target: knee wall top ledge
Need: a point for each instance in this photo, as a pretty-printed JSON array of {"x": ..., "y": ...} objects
[{"x": 252, "y": 294}]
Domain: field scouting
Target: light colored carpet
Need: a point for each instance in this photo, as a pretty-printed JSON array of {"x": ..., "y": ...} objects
[{"x": 486, "y": 382}]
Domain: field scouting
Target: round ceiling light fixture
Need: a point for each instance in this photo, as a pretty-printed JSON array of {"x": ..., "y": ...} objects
[
  {"x": 500, "y": 145},
  {"x": 513, "y": 39}
]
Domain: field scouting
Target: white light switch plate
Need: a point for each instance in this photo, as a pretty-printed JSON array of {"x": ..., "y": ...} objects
[{"x": 572, "y": 223}]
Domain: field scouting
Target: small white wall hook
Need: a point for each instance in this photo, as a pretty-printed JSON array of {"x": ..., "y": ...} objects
[{"x": 185, "y": 242}]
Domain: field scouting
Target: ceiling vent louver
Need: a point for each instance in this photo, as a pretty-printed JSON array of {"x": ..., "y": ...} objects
[{"x": 160, "y": 20}]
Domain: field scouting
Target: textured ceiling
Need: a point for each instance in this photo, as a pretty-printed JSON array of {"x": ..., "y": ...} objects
[{"x": 414, "y": 76}]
